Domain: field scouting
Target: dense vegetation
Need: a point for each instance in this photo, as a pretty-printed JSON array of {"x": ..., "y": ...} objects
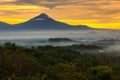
[
  {"x": 60, "y": 40},
  {"x": 56, "y": 63}
]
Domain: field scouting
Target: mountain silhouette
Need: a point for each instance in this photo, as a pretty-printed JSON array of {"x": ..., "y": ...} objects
[
  {"x": 43, "y": 17},
  {"x": 5, "y": 26},
  {"x": 44, "y": 22}
]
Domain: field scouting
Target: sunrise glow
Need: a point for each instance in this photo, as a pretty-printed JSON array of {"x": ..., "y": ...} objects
[{"x": 96, "y": 14}]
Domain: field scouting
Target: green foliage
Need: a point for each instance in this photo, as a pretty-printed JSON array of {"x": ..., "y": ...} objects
[
  {"x": 100, "y": 73},
  {"x": 56, "y": 63}
]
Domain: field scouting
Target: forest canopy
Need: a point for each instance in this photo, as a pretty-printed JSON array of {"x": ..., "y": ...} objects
[{"x": 56, "y": 63}]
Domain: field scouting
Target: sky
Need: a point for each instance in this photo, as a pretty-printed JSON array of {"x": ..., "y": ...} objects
[{"x": 93, "y": 13}]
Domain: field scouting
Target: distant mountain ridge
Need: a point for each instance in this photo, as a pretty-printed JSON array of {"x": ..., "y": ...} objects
[
  {"x": 5, "y": 26},
  {"x": 43, "y": 22}
]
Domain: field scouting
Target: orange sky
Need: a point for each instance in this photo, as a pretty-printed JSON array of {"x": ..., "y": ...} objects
[{"x": 94, "y": 13}]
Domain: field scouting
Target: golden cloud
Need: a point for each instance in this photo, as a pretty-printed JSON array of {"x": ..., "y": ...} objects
[{"x": 96, "y": 13}]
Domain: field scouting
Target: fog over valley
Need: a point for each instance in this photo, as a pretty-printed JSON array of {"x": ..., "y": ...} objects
[{"x": 109, "y": 39}]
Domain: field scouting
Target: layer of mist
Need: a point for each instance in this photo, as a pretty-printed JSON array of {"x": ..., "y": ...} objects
[{"x": 109, "y": 39}]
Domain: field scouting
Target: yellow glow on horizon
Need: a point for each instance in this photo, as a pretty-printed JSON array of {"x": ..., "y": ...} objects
[
  {"x": 106, "y": 25},
  {"x": 89, "y": 23},
  {"x": 75, "y": 12},
  {"x": 78, "y": 22},
  {"x": 93, "y": 24},
  {"x": 12, "y": 21}
]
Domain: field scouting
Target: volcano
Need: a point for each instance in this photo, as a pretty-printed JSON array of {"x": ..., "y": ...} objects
[{"x": 44, "y": 22}]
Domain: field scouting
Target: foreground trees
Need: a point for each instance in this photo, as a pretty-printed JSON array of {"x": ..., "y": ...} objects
[
  {"x": 100, "y": 73},
  {"x": 56, "y": 63}
]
